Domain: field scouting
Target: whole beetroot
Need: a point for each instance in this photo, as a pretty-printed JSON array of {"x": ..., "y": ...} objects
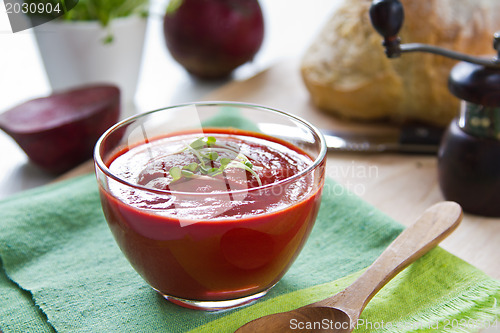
[{"x": 210, "y": 38}]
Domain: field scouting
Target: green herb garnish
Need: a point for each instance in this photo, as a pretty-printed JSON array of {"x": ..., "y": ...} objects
[
  {"x": 208, "y": 154},
  {"x": 176, "y": 173}
]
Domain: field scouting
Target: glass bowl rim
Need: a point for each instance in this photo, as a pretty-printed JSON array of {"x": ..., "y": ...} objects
[{"x": 99, "y": 163}]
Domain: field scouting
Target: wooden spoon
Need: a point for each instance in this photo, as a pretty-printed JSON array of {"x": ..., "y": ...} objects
[{"x": 341, "y": 312}]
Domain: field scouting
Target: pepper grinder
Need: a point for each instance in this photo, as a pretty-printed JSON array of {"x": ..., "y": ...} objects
[{"x": 469, "y": 153}]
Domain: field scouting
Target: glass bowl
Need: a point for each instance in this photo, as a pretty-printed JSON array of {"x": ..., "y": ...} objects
[{"x": 211, "y": 202}]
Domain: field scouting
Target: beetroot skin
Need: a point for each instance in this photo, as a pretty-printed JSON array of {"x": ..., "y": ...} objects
[
  {"x": 210, "y": 38},
  {"x": 59, "y": 132}
]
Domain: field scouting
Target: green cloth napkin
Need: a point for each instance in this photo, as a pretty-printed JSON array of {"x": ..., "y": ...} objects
[{"x": 62, "y": 271}]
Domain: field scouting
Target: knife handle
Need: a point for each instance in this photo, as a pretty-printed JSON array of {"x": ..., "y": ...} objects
[{"x": 421, "y": 135}]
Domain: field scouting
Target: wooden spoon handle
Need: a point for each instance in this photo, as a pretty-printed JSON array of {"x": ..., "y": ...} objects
[{"x": 435, "y": 224}]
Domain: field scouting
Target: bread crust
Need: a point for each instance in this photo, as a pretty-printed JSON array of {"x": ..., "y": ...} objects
[{"x": 347, "y": 73}]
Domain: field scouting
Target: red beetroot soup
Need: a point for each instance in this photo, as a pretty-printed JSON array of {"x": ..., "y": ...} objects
[{"x": 200, "y": 226}]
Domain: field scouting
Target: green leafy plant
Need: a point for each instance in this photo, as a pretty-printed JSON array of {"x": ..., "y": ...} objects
[
  {"x": 106, "y": 10},
  {"x": 103, "y": 11}
]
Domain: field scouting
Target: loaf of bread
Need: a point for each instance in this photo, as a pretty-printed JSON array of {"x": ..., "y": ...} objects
[{"x": 347, "y": 72}]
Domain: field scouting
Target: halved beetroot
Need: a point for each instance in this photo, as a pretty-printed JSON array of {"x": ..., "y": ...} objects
[{"x": 59, "y": 131}]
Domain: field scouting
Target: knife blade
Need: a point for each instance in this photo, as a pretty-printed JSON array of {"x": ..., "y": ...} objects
[{"x": 412, "y": 139}]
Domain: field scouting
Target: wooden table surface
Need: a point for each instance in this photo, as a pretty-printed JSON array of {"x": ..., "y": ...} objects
[{"x": 402, "y": 186}]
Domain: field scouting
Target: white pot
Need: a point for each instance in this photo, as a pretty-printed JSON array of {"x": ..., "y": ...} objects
[{"x": 74, "y": 53}]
